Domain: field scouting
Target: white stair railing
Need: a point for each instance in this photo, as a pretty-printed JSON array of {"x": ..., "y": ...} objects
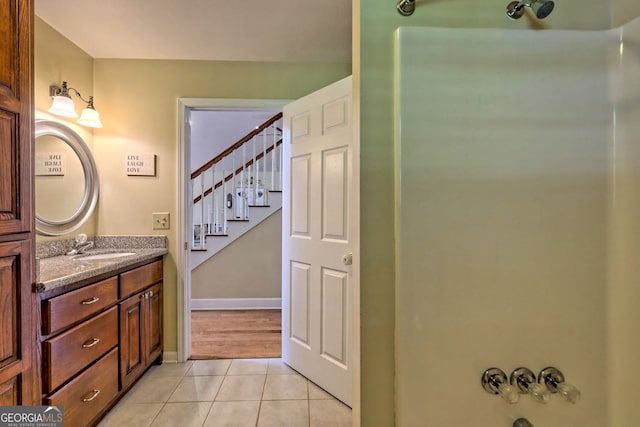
[{"x": 238, "y": 178}]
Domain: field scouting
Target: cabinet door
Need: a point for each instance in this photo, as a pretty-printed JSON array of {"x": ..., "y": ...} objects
[
  {"x": 154, "y": 319},
  {"x": 17, "y": 375},
  {"x": 16, "y": 128},
  {"x": 133, "y": 342}
]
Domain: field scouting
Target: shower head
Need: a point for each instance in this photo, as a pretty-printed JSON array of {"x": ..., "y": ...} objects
[
  {"x": 406, "y": 7},
  {"x": 542, "y": 8}
]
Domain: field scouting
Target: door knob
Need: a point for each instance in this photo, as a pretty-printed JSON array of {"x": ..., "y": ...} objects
[{"x": 347, "y": 259}]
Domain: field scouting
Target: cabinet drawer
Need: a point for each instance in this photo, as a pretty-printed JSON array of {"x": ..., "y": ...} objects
[
  {"x": 89, "y": 393},
  {"x": 70, "y": 352},
  {"x": 139, "y": 278},
  {"x": 67, "y": 309}
]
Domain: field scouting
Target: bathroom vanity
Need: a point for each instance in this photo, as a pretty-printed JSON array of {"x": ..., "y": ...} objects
[{"x": 100, "y": 327}]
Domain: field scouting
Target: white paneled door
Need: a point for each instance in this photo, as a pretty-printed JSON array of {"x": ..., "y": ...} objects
[{"x": 320, "y": 253}]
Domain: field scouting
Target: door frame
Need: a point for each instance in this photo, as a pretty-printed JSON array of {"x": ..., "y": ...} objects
[
  {"x": 183, "y": 272},
  {"x": 183, "y": 208}
]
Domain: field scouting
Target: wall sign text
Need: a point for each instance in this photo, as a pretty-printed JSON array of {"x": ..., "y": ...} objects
[
  {"x": 49, "y": 164},
  {"x": 141, "y": 164}
]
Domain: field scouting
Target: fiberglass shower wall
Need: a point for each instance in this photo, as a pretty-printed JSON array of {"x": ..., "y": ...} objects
[{"x": 506, "y": 150}]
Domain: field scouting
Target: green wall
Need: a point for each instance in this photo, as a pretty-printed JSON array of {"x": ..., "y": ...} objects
[{"x": 375, "y": 23}]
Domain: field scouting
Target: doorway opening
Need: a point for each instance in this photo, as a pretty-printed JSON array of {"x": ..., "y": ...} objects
[
  {"x": 231, "y": 278},
  {"x": 342, "y": 161}
]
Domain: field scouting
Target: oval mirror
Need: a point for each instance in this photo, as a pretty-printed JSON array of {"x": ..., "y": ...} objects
[{"x": 66, "y": 179}]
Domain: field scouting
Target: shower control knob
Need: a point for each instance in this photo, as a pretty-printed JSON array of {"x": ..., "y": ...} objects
[
  {"x": 539, "y": 393},
  {"x": 494, "y": 381},
  {"x": 525, "y": 381},
  {"x": 553, "y": 380},
  {"x": 508, "y": 394},
  {"x": 569, "y": 392}
]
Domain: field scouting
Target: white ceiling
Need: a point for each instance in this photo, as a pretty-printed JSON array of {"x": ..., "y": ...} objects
[{"x": 228, "y": 30}]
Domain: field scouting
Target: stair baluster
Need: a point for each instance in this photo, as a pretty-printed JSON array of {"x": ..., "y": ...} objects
[
  {"x": 253, "y": 183},
  {"x": 273, "y": 161},
  {"x": 263, "y": 181},
  {"x": 214, "y": 201},
  {"x": 225, "y": 207}
]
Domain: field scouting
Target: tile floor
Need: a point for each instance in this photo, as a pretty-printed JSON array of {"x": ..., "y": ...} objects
[{"x": 235, "y": 392}]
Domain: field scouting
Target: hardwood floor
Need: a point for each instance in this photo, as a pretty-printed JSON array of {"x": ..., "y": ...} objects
[{"x": 235, "y": 334}]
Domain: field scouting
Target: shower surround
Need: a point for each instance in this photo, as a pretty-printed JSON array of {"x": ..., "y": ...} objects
[{"x": 518, "y": 222}]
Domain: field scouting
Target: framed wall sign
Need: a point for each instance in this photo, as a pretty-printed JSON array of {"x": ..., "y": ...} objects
[
  {"x": 49, "y": 164},
  {"x": 141, "y": 164}
]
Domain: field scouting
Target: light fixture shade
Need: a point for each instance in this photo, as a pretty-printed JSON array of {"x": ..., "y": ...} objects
[
  {"x": 63, "y": 106},
  {"x": 90, "y": 118}
]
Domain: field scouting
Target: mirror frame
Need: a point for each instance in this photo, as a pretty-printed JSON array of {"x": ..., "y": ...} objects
[{"x": 91, "y": 184}]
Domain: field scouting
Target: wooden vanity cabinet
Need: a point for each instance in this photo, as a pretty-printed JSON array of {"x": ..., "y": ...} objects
[
  {"x": 140, "y": 321},
  {"x": 98, "y": 339}
]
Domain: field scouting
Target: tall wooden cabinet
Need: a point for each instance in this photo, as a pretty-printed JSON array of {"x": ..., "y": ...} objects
[{"x": 18, "y": 374}]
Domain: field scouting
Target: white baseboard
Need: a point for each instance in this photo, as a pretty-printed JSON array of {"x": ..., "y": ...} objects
[
  {"x": 236, "y": 304},
  {"x": 170, "y": 357}
]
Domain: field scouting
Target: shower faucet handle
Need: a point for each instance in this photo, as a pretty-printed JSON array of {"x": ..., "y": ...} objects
[
  {"x": 494, "y": 381},
  {"x": 553, "y": 380},
  {"x": 524, "y": 380}
]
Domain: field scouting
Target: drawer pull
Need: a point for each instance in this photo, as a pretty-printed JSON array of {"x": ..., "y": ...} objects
[
  {"x": 93, "y": 341},
  {"x": 90, "y": 301},
  {"x": 94, "y": 394}
]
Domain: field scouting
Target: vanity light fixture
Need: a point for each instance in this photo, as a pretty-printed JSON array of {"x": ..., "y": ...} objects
[{"x": 62, "y": 105}]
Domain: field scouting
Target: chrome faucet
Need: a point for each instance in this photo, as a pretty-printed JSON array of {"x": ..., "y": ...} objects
[
  {"x": 522, "y": 422},
  {"x": 81, "y": 244}
]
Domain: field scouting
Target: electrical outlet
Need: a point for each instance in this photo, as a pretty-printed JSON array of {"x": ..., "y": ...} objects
[{"x": 160, "y": 220}]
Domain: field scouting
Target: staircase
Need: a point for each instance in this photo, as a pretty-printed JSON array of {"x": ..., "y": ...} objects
[{"x": 236, "y": 190}]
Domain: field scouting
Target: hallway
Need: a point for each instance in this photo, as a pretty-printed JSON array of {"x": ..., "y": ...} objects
[{"x": 236, "y": 334}]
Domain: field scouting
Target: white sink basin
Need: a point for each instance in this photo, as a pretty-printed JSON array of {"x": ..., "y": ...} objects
[{"x": 104, "y": 256}]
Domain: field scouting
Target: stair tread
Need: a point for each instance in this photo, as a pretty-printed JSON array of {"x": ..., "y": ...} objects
[{"x": 217, "y": 235}]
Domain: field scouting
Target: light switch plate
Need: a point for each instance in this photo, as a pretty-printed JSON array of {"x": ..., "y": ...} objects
[{"x": 161, "y": 220}]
